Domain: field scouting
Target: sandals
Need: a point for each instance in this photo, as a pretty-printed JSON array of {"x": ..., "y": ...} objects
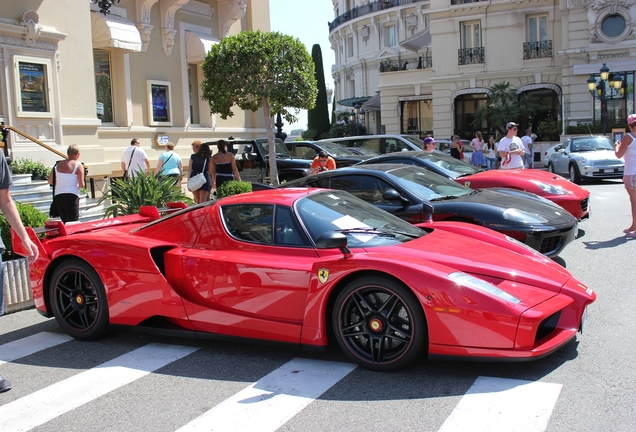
[
  {"x": 626, "y": 230},
  {"x": 630, "y": 234}
]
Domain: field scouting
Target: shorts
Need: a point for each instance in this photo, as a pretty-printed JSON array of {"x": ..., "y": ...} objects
[{"x": 630, "y": 181}]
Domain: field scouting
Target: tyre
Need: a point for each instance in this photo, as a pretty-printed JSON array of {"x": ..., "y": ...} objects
[
  {"x": 550, "y": 167},
  {"x": 379, "y": 323},
  {"x": 574, "y": 175},
  {"x": 78, "y": 300}
]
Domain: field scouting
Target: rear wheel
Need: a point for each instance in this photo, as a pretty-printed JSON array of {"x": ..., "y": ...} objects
[
  {"x": 78, "y": 300},
  {"x": 550, "y": 167},
  {"x": 379, "y": 323},
  {"x": 574, "y": 175}
]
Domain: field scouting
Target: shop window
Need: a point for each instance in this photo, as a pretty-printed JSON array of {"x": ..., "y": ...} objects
[
  {"x": 103, "y": 85},
  {"x": 193, "y": 88}
]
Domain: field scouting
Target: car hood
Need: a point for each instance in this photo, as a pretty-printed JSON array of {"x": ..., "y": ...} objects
[
  {"x": 492, "y": 203},
  {"x": 597, "y": 156},
  {"x": 486, "y": 260}
]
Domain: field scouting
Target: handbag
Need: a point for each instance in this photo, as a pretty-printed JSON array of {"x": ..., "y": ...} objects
[{"x": 197, "y": 181}]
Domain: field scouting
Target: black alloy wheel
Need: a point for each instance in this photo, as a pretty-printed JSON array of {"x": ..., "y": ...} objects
[
  {"x": 78, "y": 300},
  {"x": 379, "y": 323}
]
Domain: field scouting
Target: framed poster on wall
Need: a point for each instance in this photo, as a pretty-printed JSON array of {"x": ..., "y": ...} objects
[
  {"x": 32, "y": 79},
  {"x": 159, "y": 103},
  {"x": 617, "y": 134}
]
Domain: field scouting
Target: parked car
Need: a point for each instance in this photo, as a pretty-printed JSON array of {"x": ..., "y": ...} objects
[
  {"x": 298, "y": 267},
  {"x": 252, "y": 160},
  {"x": 443, "y": 145},
  {"x": 412, "y": 193},
  {"x": 364, "y": 151},
  {"x": 584, "y": 158},
  {"x": 549, "y": 152},
  {"x": 309, "y": 149},
  {"x": 568, "y": 195},
  {"x": 380, "y": 143}
]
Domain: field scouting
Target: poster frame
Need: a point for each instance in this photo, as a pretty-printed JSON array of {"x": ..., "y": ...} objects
[
  {"x": 164, "y": 90},
  {"x": 42, "y": 84}
]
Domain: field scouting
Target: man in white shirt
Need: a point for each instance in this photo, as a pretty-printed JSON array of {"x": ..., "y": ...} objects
[
  {"x": 527, "y": 142},
  {"x": 134, "y": 160},
  {"x": 511, "y": 148}
]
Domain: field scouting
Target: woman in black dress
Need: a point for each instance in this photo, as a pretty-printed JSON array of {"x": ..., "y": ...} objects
[{"x": 199, "y": 161}]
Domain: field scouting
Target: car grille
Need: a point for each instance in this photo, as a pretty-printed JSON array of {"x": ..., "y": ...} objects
[
  {"x": 550, "y": 244},
  {"x": 547, "y": 326},
  {"x": 585, "y": 203}
]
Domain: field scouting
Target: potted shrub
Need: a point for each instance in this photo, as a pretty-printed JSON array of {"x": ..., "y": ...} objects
[
  {"x": 233, "y": 187},
  {"x": 38, "y": 170}
]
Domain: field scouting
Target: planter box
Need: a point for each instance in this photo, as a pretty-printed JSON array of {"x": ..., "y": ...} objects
[{"x": 17, "y": 288}]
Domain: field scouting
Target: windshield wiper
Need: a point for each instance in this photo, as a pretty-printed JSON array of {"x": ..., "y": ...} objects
[
  {"x": 374, "y": 231},
  {"x": 443, "y": 198}
]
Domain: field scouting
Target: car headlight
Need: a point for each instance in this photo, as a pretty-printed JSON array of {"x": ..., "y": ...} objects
[
  {"x": 483, "y": 286},
  {"x": 549, "y": 189},
  {"x": 583, "y": 161},
  {"x": 516, "y": 215}
]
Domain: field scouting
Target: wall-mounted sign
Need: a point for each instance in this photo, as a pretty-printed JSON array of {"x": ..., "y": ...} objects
[
  {"x": 162, "y": 140},
  {"x": 159, "y": 103}
]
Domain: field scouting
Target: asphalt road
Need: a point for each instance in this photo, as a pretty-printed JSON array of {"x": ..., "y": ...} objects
[{"x": 138, "y": 382}]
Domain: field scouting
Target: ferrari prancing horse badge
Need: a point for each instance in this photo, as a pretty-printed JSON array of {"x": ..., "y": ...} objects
[{"x": 323, "y": 275}]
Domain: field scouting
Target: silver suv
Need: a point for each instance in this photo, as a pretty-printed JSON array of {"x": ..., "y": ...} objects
[{"x": 381, "y": 143}]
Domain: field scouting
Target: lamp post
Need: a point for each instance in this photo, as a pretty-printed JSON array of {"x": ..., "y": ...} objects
[
  {"x": 599, "y": 89},
  {"x": 357, "y": 115},
  {"x": 104, "y": 5}
]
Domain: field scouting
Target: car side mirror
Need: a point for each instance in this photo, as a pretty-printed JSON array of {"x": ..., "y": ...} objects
[
  {"x": 333, "y": 240},
  {"x": 393, "y": 195}
]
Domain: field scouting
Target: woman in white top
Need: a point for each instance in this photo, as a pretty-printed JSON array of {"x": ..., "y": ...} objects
[
  {"x": 67, "y": 178},
  {"x": 490, "y": 152},
  {"x": 626, "y": 149}
]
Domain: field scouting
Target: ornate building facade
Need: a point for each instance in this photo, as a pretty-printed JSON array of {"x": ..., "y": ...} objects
[
  {"x": 72, "y": 75},
  {"x": 424, "y": 66}
]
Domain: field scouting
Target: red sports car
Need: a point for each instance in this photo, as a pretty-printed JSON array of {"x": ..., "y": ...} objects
[
  {"x": 553, "y": 187},
  {"x": 302, "y": 266}
]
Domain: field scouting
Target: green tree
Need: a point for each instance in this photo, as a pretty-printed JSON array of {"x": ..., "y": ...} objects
[
  {"x": 257, "y": 70},
  {"x": 318, "y": 117},
  {"x": 504, "y": 105}
]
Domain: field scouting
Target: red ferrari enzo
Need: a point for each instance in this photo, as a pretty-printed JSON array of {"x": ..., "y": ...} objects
[{"x": 302, "y": 266}]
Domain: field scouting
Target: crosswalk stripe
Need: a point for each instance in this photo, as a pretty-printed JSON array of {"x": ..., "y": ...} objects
[
  {"x": 30, "y": 345},
  {"x": 273, "y": 400},
  {"x": 46, "y": 404},
  {"x": 498, "y": 404}
]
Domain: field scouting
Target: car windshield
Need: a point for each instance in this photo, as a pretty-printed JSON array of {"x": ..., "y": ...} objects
[
  {"x": 413, "y": 140},
  {"x": 452, "y": 167},
  {"x": 281, "y": 149},
  {"x": 336, "y": 149},
  {"x": 367, "y": 151},
  {"x": 427, "y": 185},
  {"x": 364, "y": 224},
  {"x": 591, "y": 144}
]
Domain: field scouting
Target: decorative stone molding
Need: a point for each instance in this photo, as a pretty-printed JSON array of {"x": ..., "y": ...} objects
[
  {"x": 598, "y": 10},
  {"x": 145, "y": 31},
  {"x": 230, "y": 11},
  {"x": 575, "y": 4},
  {"x": 31, "y": 20},
  {"x": 144, "y": 8},
  {"x": 365, "y": 32},
  {"x": 168, "y": 9},
  {"x": 411, "y": 23},
  {"x": 349, "y": 73},
  {"x": 613, "y": 55},
  {"x": 21, "y": 42}
]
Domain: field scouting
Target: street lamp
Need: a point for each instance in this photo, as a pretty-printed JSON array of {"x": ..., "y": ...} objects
[
  {"x": 357, "y": 115},
  {"x": 599, "y": 89},
  {"x": 104, "y": 5}
]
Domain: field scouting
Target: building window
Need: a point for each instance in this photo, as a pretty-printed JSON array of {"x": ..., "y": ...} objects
[
  {"x": 471, "y": 34},
  {"x": 159, "y": 103},
  {"x": 465, "y": 106},
  {"x": 613, "y": 25},
  {"x": 417, "y": 117},
  {"x": 349, "y": 47},
  {"x": 537, "y": 45},
  {"x": 32, "y": 84},
  {"x": 103, "y": 85},
  {"x": 390, "y": 36},
  {"x": 193, "y": 88}
]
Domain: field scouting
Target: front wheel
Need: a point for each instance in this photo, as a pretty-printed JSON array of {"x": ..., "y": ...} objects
[
  {"x": 574, "y": 175},
  {"x": 78, "y": 300},
  {"x": 550, "y": 167},
  {"x": 379, "y": 323}
]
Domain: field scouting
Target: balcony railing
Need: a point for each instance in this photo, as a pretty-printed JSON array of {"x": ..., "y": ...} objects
[
  {"x": 533, "y": 50},
  {"x": 421, "y": 62},
  {"x": 366, "y": 9},
  {"x": 471, "y": 56},
  {"x": 459, "y": 2}
]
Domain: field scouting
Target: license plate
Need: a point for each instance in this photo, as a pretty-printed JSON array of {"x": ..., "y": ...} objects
[
  {"x": 583, "y": 319},
  {"x": 602, "y": 171}
]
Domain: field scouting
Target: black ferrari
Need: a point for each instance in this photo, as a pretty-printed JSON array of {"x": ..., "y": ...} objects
[{"x": 417, "y": 195}]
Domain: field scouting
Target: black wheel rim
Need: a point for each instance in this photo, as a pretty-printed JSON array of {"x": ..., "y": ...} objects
[
  {"x": 76, "y": 300},
  {"x": 376, "y": 325}
]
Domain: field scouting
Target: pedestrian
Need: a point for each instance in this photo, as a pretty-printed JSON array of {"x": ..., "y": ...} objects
[
  {"x": 223, "y": 166},
  {"x": 10, "y": 212},
  {"x": 477, "y": 158},
  {"x": 510, "y": 148},
  {"x": 170, "y": 164},
  {"x": 456, "y": 148},
  {"x": 626, "y": 149},
  {"x": 428, "y": 145},
  {"x": 134, "y": 160},
  {"x": 67, "y": 178},
  {"x": 322, "y": 162},
  {"x": 200, "y": 163},
  {"x": 490, "y": 153},
  {"x": 528, "y": 147}
]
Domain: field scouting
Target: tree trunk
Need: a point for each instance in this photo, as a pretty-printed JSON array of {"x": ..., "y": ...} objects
[{"x": 269, "y": 127}]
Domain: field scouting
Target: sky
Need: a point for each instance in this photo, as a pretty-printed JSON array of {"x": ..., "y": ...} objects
[{"x": 308, "y": 21}]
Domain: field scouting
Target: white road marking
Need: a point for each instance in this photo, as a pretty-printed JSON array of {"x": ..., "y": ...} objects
[
  {"x": 30, "y": 345},
  {"x": 506, "y": 405},
  {"x": 44, "y": 405},
  {"x": 272, "y": 401}
]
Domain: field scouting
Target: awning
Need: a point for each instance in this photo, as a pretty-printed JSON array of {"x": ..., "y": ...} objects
[
  {"x": 417, "y": 41},
  {"x": 351, "y": 102},
  {"x": 111, "y": 31},
  {"x": 197, "y": 46},
  {"x": 373, "y": 104}
]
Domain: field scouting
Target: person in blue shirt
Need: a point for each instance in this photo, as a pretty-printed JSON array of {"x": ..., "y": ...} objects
[{"x": 169, "y": 164}]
